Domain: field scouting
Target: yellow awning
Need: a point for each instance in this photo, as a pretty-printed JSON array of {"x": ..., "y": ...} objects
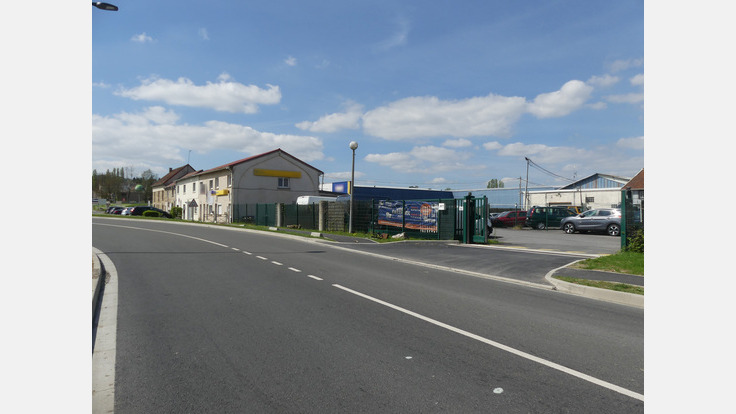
[{"x": 276, "y": 173}]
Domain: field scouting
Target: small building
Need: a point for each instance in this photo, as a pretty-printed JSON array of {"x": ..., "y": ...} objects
[
  {"x": 164, "y": 191},
  {"x": 594, "y": 191},
  {"x": 220, "y": 194}
]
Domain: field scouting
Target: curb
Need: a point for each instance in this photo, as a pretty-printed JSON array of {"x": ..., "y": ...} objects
[
  {"x": 622, "y": 298},
  {"x": 98, "y": 277}
]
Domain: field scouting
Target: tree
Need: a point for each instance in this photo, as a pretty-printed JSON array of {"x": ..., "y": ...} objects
[{"x": 495, "y": 183}]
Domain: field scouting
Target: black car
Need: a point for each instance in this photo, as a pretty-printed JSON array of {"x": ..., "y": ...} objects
[
  {"x": 138, "y": 211},
  {"x": 546, "y": 217},
  {"x": 115, "y": 210}
]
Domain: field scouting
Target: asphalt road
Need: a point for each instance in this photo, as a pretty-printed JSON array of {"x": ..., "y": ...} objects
[{"x": 217, "y": 320}]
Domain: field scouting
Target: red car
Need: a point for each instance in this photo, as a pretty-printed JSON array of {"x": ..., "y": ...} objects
[{"x": 510, "y": 219}]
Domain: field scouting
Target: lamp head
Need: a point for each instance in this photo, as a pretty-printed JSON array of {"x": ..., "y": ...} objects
[{"x": 353, "y": 145}]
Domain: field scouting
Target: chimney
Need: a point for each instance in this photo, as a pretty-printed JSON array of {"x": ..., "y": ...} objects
[{"x": 170, "y": 169}]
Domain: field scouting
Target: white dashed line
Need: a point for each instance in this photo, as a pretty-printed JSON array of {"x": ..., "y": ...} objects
[
  {"x": 277, "y": 263},
  {"x": 295, "y": 270},
  {"x": 506, "y": 348},
  {"x": 248, "y": 253},
  {"x": 262, "y": 258},
  {"x": 314, "y": 277}
]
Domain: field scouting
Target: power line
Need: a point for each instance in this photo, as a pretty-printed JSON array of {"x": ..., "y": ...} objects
[{"x": 533, "y": 164}]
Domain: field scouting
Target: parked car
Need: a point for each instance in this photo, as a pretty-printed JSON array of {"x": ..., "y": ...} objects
[
  {"x": 138, "y": 211},
  {"x": 575, "y": 209},
  {"x": 546, "y": 217},
  {"x": 605, "y": 219},
  {"x": 510, "y": 218},
  {"x": 126, "y": 211},
  {"x": 114, "y": 210}
]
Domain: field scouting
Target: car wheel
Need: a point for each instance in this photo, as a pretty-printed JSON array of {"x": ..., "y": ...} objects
[
  {"x": 569, "y": 228},
  {"x": 541, "y": 226},
  {"x": 614, "y": 230}
]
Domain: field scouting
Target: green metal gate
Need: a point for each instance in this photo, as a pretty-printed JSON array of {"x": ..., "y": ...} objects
[{"x": 472, "y": 219}]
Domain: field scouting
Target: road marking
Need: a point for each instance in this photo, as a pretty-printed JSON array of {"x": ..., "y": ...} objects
[
  {"x": 262, "y": 258},
  {"x": 295, "y": 270},
  {"x": 235, "y": 248},
  {"x": 248, "y": 253},
  {"x": 503, "y": 347},
  {"x": 520, "y": 249},
  {"x": 276, "y": 263},
  {"x": 165, "y": 232},
  {"x": 315, "y": 277}
]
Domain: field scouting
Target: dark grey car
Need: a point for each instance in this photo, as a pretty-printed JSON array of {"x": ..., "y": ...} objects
[{"x": 606, "y": 219}]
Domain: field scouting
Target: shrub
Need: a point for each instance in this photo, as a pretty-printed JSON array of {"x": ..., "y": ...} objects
[
  {"x": 635, "y": 242},
  {"x": 176, "y": 212},
  {"x": 151, "y": 213}
]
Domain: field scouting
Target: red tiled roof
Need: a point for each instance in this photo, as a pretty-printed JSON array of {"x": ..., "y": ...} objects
[
  {"x": 228, "y": 165},
  {"x": 636, "y": 183},
  {"x": 166, "y": 178}
]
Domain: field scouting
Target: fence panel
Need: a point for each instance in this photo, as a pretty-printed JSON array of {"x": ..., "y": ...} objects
[{"x": 632, "y": 215}]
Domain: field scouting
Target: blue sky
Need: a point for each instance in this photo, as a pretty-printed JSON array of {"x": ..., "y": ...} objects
[{"x": 438, "y": 94}]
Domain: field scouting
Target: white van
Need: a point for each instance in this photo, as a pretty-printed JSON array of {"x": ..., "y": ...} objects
[{"x": 305, "y": 200}]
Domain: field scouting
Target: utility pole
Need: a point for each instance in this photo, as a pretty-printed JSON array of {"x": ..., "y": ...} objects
[{"x": 526, "y": 191}]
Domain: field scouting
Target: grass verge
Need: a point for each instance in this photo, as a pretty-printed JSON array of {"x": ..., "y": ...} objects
[
  {"x": 619, "y": 287},
  {"x": 622, "y": 262}
]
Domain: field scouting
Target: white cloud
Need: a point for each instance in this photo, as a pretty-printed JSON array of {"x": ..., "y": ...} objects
[
  {"x": 637, "y": 80},
  {"x": 225, "y": 95},
  {"x": 337, "y": 121},
  {"x": 621, "y": 65},
  {"x": 343, "y": 176},
  {"x": 492, "y": 146},
  {"x": 291, "y": 61},
  {"x": 457, "y": 143},
  {"x": 424, "y": 159},
  {"x": 631, "y": 143},
  {"x": 398, "y": 38},
  {"x": 598, "y": 105},
  {"x": 155, "y": 137},
  {"x": 569, "y": 98},
  {"x": 419, "y": 117},
  {"x": 603, "y": 81},
  {"x": 142, "y": 38},
  {"x": 203, "y": 34},
  {"x": 630, "y": 98},
  {"x": 544, "y": 154}
]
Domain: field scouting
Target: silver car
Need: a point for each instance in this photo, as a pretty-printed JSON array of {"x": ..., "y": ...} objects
[{"x": 604, "y": 219}]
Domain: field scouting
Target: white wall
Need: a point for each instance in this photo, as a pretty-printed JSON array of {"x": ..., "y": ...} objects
[{"x": 603, "y": 198}]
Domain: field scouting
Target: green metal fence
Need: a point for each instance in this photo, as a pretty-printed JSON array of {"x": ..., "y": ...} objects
[
  {"x": 259, "y": 214},
  {"x": 438, "y": 219},
  {"x": 632, "y": 215}
]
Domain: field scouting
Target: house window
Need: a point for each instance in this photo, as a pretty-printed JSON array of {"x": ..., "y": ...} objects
[
  {"x": 184, "y": 189},
  {"x": 590, "y": 199},
  {"x": 194, "y": 188},
  {"x": 229, "y": 180},
  {"x": 217, "y": 183}
]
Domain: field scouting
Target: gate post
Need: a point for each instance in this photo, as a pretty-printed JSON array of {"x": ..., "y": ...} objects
[
  {"x": 469, "y": 219},
  {"x": 279, "y": 214}
]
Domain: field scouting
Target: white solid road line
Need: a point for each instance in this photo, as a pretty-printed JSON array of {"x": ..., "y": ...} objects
[{"x": 514, "y": 351}]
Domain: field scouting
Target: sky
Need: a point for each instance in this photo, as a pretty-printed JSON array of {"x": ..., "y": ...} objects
[{"x": 437, "y": 94}]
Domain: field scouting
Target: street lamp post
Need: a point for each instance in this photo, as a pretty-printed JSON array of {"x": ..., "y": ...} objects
[
  {"x": 105, "y": 6},
  {"x": 353, "y": 146}
]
